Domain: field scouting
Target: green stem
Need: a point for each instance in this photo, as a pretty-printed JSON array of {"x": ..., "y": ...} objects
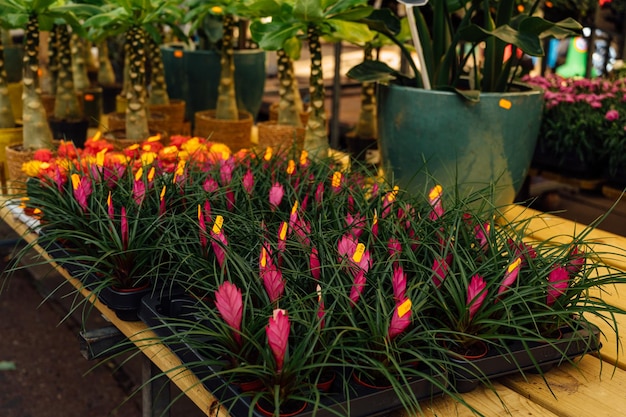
[
  {"x": 79, "y": 63},
  {"x": 367, "y": 126},
  {"x": 226, "y": 97},
  {"x": 158, "y": 86},
  {"x": 315, "y": 138},
  {"x": 136, "y": 114},
  {"x": 290, "y": 103},
  {"x": 106, "y": 75},
  {"x": 37, "y": 133},
  {"x": 66, "y": 104},
  {"x": 6, "y": 112}
]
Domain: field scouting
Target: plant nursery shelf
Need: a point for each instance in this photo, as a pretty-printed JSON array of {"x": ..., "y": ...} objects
[{"x": 593, "y": 385}]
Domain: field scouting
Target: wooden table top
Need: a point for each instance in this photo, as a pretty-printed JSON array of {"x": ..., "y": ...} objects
[{"x": 594, "y": 386}]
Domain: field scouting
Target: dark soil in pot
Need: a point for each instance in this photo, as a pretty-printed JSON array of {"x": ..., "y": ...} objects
[{"x": 70, "y": 130}]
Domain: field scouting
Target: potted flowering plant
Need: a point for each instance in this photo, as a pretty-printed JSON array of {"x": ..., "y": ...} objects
[
  {"x": 442, "y": 90},
  {"x": 582, "y": 131}
]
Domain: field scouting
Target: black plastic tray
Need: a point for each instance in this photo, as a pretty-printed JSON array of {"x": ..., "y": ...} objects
[
  {"x": 536, "y": 357},
  {"x": 158, "y": 314}
]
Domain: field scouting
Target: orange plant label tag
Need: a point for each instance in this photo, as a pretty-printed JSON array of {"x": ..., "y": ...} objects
[
  {"x": 505, "y": 104},
  {"x": 178, "y": 54}
]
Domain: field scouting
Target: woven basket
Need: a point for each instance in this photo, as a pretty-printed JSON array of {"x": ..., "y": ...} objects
[
  {"x": 16, "y": 157},
  {"x": 280, "y": 137},
  {"x": 8, "y": 137},
  {"x": 236, "y": 134},
  {"x": 273, "y": 113},
  {"x": 157, "y": 122},
  {"x": 175, "y": 110}
]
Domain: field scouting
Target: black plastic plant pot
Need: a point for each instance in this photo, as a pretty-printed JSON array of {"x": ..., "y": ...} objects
[
  {"x": 515, "y": 358},
  {"x": 124, "y": 302},
  {"x": 70, "y": 130},
  {"x": 363, "y": 401}
]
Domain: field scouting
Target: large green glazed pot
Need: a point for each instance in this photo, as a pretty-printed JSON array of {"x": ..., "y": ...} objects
[
  {"x": 428, "y": 137},
  {"x": 193, "y": 76}
]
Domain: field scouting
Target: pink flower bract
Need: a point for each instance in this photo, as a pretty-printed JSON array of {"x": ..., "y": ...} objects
[
  {"x": 277, "y": 332},
  {"x": 229, "y": 303}
]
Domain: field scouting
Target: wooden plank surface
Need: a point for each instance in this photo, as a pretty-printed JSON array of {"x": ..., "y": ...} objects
[{"x": 590, "y": 388}]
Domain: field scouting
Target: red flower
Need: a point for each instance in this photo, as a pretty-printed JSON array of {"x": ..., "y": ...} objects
[
  {"x": 357, "y": 287},
  {"x": 248, "y": 181},
  {"x": 434, "y": 199},
  {"x": 81, "y": 187},
  {"x": 400, "y": 320},
  {"x": 476, "y": 294},
  {"x": 277, "y": 332},
  {"x": 398, "y": 282},
  {"x": 229, "y": 303},
  {"x": 43, "y": 155},
  {"x": 273, "y": 282},
  {"x": 558, "y": 280},
  {"x": 219, "y": 241},
  {"x": 314, "y": 264},
  {"x": 510, "y": 276},
  {"x": 276, "y": 195}
]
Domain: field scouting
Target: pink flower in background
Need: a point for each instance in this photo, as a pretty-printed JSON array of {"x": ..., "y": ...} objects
[
  {"x": 226, "y": 171},
  {"x": 319, "y": 193},
  {"x": 248, "y": 181},
  {"x": 611, "y": 115},
  {"x": 229, "y": 303},
  {"x": 162, "y": 201},
  {"x": 476, "y": 294},
  {"x": 388, "y": 199},
  {"x": 81, "y": 187},
  {"x": 357, "y": 288},
  {"x": 482, "y": 232},
  {"x": 230, "y": 200},
  {"x": 124, "y": 229},
  {"x": 273, "y": 282},
  {"x": 355, "y": 224},
  {"x": 558, "y": 280},
  {"x": 398, "y": 282},
  {"x": 276, "y": 195},
  {"x": 394, "y": 247},
  {"x": 434, "y": 199},
  {"x": 277, "y": 332},
  {"x": 510, "y": 276},
  {"x": 139, "y": 191},
  {"x": 400, "y": 320},
  {"x": 210, "y": 185},
  {"x": 314, "y": 264},
  {"x": 440, "y": 269},
  {"x": 219, "y": 241}
]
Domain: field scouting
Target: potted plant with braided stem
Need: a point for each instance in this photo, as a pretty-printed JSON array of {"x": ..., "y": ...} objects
[
  {"x": 136, "y": 20},
  {"x": 29, "y": 14},
  {"x": 312, "y": 20}
]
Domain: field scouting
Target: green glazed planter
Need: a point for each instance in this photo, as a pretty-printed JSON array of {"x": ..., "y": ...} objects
[
  {"x": 193, "y": 76},
  {"x": 428, "y": 137}
]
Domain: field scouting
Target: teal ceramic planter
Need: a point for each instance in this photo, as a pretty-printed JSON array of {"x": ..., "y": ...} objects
[
  {"x": 428, "y": 137},
  {"x": 193, "y": 76}
]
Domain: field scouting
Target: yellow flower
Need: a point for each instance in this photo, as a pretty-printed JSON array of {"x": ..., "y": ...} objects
[
  {"x": 33, "y": 168},
  {"x": 216, "y": 10},
  {"x": 220, "y": 149},
  {"x": 148, "y": 157}
]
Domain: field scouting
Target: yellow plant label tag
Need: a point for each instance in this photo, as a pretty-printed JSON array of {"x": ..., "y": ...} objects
[
  {"x": 304, "y": 156},
  {"x": 404, "y": 308},
  {"x": 151, "y": 174},
  {"x": 96, "y": 136},
  {"x": 139, "y": 174},
  {"x": 375, "y": 219},
  {"x": 268, "y": 153},
  {"x": 283, "y": 231},
  {"x": 435, "y": 192},
  {"x": 162, "y": 195},
  {"x": 294, "y": 208},
  {"x": 75, "y": 181},
  {"x": 514, "y": 265},
  {"x": 100, "y": 157},
  {"x": 291, "y": 167},
  {"x": 263, "y": 257},
  {"x": 505, "y": 104},
  {"x": 199, "y": 212},
  {"x": 336, "y": 179},
  {"x": 109, "y": 200},
  {"x": 358, "y": 253},
  {"x": 217, "y": 226}
]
